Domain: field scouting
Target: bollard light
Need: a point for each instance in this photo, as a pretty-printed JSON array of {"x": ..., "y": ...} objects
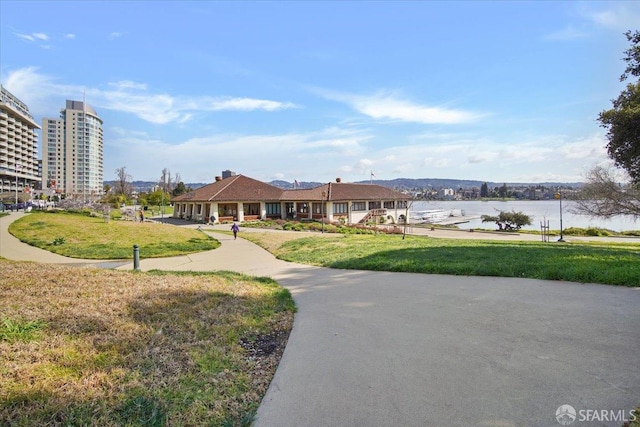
[{"x": 136, "y": 257}]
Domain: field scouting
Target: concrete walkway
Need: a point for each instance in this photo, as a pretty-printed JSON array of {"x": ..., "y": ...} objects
[{"x": 382, "y": 349}]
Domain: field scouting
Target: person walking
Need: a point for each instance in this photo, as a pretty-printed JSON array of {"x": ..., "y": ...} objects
[
  {"x": 235, "y": 230},
  {"x": 141, "y": 215}
]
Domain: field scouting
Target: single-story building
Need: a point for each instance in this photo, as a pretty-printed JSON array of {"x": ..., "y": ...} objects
[{"x": 240, "y": 198}]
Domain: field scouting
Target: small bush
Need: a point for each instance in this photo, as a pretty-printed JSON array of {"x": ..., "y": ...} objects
[{"x": 591, "y": 231}]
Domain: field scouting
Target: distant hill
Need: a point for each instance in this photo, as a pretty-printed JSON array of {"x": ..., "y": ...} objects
[
  {"x": 433, "y": 183},
  {"x": 397, "y": 184},
  {"x": 437, "y": 183}
]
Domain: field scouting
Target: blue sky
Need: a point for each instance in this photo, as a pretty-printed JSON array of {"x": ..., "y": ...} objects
[{"x": 311, "y": 91}]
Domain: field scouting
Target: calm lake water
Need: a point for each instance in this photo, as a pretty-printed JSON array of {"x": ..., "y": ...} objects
[{"x": 538, "y": 210}]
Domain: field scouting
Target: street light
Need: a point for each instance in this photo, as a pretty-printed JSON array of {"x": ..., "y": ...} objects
[
  {"x": 559, "y": 197},
  {"x": 322, "y": 209}
]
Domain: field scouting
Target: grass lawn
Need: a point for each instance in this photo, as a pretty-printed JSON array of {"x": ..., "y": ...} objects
[
  {"x": 87, "y": 347},
  {"x": 83, "y": 236},
  {"x": 607, "y": 263}
]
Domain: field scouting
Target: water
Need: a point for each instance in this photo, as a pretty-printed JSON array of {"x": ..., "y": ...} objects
[{"x": 538, "y": 210}]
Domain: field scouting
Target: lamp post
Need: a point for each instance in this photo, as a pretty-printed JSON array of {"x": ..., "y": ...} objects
[
  {"x": 559, "y": 197},
  {"x": 322, "y": 209}
]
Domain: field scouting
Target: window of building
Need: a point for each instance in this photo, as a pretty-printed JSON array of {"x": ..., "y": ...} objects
[
  {"x": 374, "y": 205},
  {"x": 340, "y": 208},
  {"x": 272, "y": 208},
  {"x": 359, "y": 206},
  {"x": 302, "y": 207},
  {"x": 389, "y": 205},
  {"x": 251, "y": 208},
  {"x": 318, "y": 208},
  {"x": 402, "y": 204}
]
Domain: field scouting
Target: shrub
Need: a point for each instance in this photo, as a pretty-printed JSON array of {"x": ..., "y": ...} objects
[{"x": 591, "y": 231}]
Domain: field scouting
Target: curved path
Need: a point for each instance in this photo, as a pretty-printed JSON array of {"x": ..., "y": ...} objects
[{"x": 382, "y": 349}]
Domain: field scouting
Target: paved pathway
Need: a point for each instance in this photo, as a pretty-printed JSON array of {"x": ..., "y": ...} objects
[{"x": 382, "y": 349}]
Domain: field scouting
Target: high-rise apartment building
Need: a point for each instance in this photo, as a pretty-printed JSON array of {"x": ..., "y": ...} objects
[
  {"x": 72, "y": 155},
  {"x": 19, "y": 168}
]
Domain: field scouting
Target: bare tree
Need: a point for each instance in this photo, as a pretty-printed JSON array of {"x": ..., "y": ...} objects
[
  {"x": 122, "y": 185},
  {"x": 603, "y": 197},
  {"x": 166, "y": 182}
]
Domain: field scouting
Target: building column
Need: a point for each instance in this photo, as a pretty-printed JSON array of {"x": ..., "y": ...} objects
[{"x": 240, "y": 211}]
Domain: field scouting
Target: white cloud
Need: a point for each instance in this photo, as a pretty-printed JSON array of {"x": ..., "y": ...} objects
[
  {"x": 387, "y": 106},
  {"x": 39, "y": 91},
  {"x": 26, "y": 37},
  {"x": 70, "y": 36},
  {"x": 115, "y": 35},
  {"x": 466, "y": 156},
  {"x": 158, "y": 109},
  {"x": 567, "y": 33},
  {"x": 350, "y": 154},
  {"x": 128, "y": 84},
  {"x": 247, "y": 104},
  {"x": 33, "y": 36},
  {"x": 618, "y": 16},
  {"x": 259, "y": 156},
  {"x": 593, "y": 147}
]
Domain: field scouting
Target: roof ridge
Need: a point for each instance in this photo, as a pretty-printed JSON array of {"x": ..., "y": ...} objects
[{"x": 235, "y": 177}]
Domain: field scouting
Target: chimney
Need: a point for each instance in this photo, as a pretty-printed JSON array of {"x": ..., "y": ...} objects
[
  {"x": 338, "y": 179},
  {"x": 218, "y": 178}
]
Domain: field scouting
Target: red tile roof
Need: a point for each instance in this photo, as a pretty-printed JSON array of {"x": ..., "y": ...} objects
[
  {"x": 242, "y": 188},
  {"x": 234, "y": 188}
]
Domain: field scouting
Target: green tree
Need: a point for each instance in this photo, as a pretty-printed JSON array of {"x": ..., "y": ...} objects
[
  {"x": 508, "y": 221},
  {"x": 503, "y": 191},
  {"x": 632, "y": 57},
  {"x": 484, "y": 190},
  {"x": 623, "y": 120},
  {"x": 158, "y": 198},
  {"x": 180, "y": 189}
]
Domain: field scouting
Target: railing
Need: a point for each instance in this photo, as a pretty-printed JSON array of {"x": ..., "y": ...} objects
[{"x": 372, "y": 213}]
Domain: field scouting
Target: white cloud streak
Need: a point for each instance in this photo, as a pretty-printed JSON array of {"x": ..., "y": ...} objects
[
  {"x": 33, "y": 37},
  {"x": 568, "y": 33},
  {"x": 387, "y": 106},
  {"x": 37, "y": 90},
  {"x": 247, "y": 104},
  {"x": 621, "y": 16}
]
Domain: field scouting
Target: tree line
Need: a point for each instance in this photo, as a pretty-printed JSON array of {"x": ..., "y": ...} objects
[{"x": 122, "y": 192}]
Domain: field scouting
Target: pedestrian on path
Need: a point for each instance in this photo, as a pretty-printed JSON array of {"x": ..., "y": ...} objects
[
  {"x": 141, "y": 215},
  {"x": 235, "y": 230}
]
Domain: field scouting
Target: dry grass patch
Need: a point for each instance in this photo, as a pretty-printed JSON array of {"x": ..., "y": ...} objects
[{"x": 108, "y": 348}]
